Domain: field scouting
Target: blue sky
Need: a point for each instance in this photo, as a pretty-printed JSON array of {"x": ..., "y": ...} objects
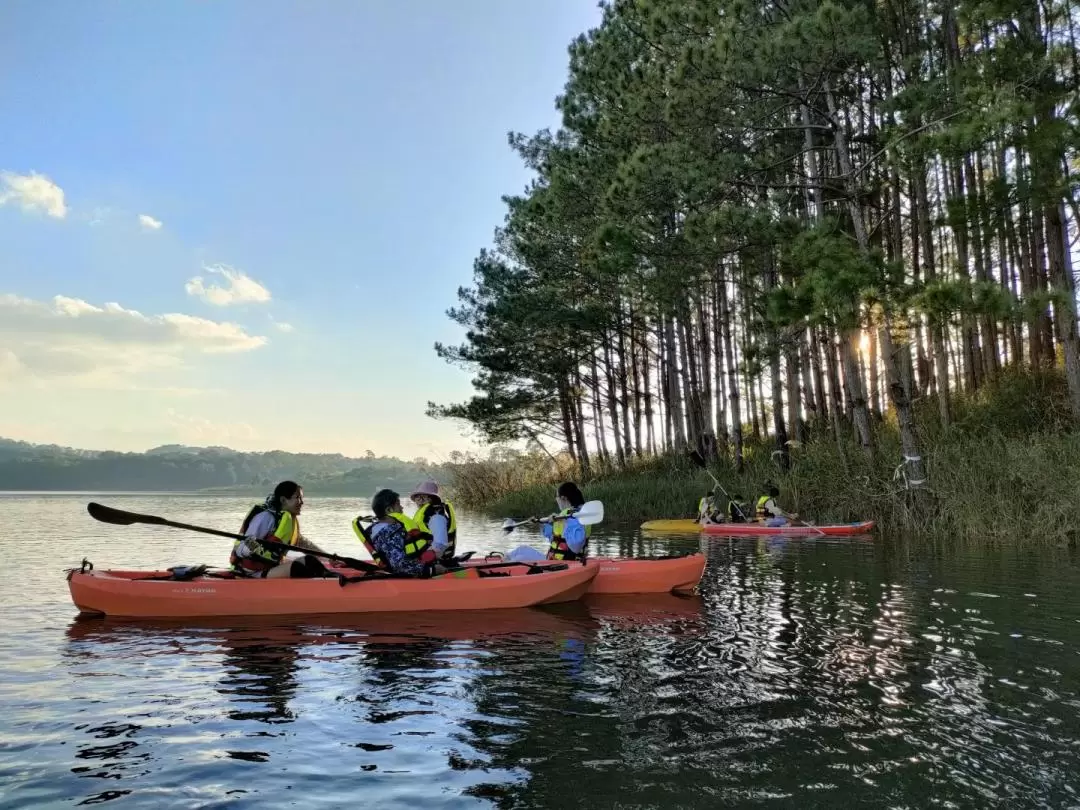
[{"x": 241, "y": 223}]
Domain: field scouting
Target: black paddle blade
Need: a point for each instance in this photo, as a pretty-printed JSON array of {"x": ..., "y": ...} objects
[
  {"x": 696, "y": 457},
  {"x": 118, "y": 517}
]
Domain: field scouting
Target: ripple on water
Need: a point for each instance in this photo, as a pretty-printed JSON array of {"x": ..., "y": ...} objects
[{"x": 807, "y": 673}]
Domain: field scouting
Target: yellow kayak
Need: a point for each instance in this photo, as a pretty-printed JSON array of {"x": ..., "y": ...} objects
[{"x": 684, "y": 525}]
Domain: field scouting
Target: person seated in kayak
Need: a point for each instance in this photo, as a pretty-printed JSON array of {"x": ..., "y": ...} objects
[
  {"x": 768, "y": 511},
  {"x": 706, "y": 509},
  {"x": 568, "y": 539},
  {"x": 393, "y": 540},
  {"x": 738, "y": 512},
  {"x": 435, "y": 519},
  {"x": 278, "y": 520}
]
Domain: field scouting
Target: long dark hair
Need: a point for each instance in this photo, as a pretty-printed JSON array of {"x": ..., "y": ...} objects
[
  {"x": 570, "y": 491},
  {"x": 282, "y": 492}
]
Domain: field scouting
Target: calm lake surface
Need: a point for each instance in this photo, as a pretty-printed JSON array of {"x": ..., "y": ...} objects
[{"x": 808, "y": 673}]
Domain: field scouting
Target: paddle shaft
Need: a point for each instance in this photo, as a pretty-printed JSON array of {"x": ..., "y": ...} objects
[
  {"x": 696, "y": 456},
  {"x": 118, "y": 517}
]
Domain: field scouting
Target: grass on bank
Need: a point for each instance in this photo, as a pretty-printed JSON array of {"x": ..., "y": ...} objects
[{"x": 1006, "y": 471}]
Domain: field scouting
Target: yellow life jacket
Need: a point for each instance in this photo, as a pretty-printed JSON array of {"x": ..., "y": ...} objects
[
  {"x": 760, "y": 511},
  {"x": 417, "y": 547},
  {"x": 260, "y": 558},
  {"x": 559, "y": 550},
  {"x": 364, "y": 534},
  {"x": 447, "y": 510}
]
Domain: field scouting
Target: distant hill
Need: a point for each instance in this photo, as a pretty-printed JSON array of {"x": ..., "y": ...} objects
[{"x": 179, "y": 468}]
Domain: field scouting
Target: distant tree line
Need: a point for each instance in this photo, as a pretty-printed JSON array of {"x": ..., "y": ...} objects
[{"x": 25, "y": 466}]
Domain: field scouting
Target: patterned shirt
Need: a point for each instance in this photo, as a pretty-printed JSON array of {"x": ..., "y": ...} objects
[{"x": 389, "y": 540}]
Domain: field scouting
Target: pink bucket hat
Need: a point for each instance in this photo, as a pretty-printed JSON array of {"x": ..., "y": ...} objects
[{"x": 428, "y": 487}]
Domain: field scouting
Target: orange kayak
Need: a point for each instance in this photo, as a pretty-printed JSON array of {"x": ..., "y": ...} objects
[
  {"x": 671, "y": 574},
  {"x": 154, "y": 594}
]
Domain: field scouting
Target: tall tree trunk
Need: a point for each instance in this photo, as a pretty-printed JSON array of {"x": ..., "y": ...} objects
[
  {"x": 636, "y": 367},
  {"x": 722, "y": 433},
  {"x": 598, "y": 415},
  {"x": 579, "y": 424},
  {"x": 612, "y": 402},
  {"x": 675, "y": 404},
  {"x": 565, "y": 406},
  {"x": 904, "y": 414},
  {"x": 937, "y": 333},
  {"x": 733, "y": 375},
  {"x": 624, "y": 391}
]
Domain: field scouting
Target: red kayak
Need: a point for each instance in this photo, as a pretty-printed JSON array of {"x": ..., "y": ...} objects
[
  {"x": 671, "y": 574},
  {"x": 832, "y": 530}
]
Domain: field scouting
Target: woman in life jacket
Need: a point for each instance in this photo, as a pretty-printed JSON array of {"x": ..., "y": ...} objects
[
  {"x": 568, "y": 539},
  {"x": 767, "y": 509},
  {"x": 435, "y": 519},
  {"x": 394, "y": 541},
  {"x": 707, "y": 511},
  {"x": 277, "y": 519}
]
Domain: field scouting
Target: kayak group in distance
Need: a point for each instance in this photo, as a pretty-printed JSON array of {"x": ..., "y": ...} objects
[
  {"x": 421, "y": 545},
  {"x": 765, "y": 509}
]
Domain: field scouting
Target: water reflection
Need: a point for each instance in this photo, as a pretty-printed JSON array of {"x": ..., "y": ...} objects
[{"x": 809, "y": 672}]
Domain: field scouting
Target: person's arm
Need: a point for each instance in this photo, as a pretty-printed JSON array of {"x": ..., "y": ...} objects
[
  {"x": 574, "y": 535},
  {"x": 773, "y": 507},
  {"x": 260, "y": 526},
  {"x": 303, "y": 542},
  {"x": 547, "y": 531},
  {"x": 438, "y": 526}
]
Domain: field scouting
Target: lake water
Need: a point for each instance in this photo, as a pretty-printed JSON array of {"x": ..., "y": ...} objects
[{"x": 808, "y": 673}]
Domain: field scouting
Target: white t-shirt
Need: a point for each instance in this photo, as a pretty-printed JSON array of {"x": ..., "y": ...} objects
[
  {"x": 439, "y": 526},
  {"x": 261, "y": 525},
  {"x": 772, "y": 510}
]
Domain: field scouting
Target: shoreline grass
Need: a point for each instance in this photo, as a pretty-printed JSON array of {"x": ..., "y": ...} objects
[{"x": 1005, "y": 472}]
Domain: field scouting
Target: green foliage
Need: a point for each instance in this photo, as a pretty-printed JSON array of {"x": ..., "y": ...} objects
[
  {"x": 737, "y": 188},
  {"x": 1006, "y": 472}
]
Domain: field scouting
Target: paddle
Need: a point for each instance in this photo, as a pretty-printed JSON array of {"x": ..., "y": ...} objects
[
  {"x": 118, "y": 517},
  {"x": 588, "y": 514},
  {"x": 696, "y": 457}
]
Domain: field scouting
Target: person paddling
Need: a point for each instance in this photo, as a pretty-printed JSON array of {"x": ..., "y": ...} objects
[
  {"x": 435, "y": 519},
  {"x": 707, "y": 512},
  {"x": 567, "y": 538},
  {"x": 393, "y": 540},
  {"x": 737, "y": 510},
  {"x": 276, "y": 519},
  {"x": 769, "y": 511}
]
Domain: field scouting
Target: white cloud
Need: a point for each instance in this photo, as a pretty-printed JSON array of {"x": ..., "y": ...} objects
[
  {"x": 240, "y": 288},
  {"x": 71, "y": 338},
  {"x": 284, "y": 327},
  {"x": 33, "y": 192},
  {"x": 149, "y": 223}
]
